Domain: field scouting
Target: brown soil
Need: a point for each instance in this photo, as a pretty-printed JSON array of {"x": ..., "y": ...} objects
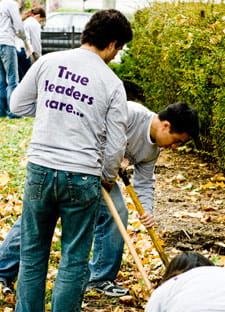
[
  {"x": 190, "y": 202},
  {"x": 190, "y": 215}
]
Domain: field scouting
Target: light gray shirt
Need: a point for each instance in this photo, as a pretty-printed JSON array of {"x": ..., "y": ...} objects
[
  {"x": 142, "y": 152},
  {"x": 79, "y": 99},
  {"x": 33, "y": 33},
  {"x": 11, "y": 24}
]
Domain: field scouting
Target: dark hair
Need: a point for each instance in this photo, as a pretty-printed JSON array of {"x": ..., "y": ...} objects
[
  {"x": 182, "y": 118},
  {"x": 106, "y": 26},
  {"x": 36, "y": 11},
  {"x": 185, "y": 262}
]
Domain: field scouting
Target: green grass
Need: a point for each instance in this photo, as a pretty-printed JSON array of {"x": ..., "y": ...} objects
[{"x": 14, "y": 141}]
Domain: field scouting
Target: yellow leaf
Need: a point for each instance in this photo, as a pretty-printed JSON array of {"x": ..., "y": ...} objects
[
  {"x": 23, "y": 144},
  {"x": 207, "y": 208},
  {"x": 131, "y": 206},
  {"x": 48, "y": 306},
  {"x": 4, "y": 179},
  {"x": 220, "y": 184},
  {"x": 145, "y": 261},
  {"x": 23, "y": 163},
  {"x": 218, "y": 177},
  {"x": 17, "y": 208},
  {"x": 221, "y": 218},
  {"x": 221, "y": 261},
  {"x": 136, "y": 288},
  {"x": 189, "y": 36},
  {"x": 208, "y": 185},
  {"x": 49, "y": 285},
  {"x": 136, "y": 224}
]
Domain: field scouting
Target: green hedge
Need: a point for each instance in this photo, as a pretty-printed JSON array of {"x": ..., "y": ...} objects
[{"x": 178, "y": 53}]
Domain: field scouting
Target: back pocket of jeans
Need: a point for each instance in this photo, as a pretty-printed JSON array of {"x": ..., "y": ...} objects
[
  {"x": 83, "y": 189},
  {"x": 34, "y": 183}
]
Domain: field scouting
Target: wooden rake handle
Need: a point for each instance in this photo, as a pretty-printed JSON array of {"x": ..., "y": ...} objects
[
  {"x": 141, "y": 211},
  {"x": 126, "y": 237}
]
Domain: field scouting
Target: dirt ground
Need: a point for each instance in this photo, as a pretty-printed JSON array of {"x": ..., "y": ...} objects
[
  {"x": 189, "y": 213},
  {"x": 190, "y": 202}
]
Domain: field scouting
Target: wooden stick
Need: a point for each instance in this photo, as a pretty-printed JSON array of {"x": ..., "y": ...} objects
[
  {"x": 126, "y": 237},
  {"x": 141, "y": 211}
]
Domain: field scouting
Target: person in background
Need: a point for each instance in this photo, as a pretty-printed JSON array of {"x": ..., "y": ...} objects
[
  {"x": 78, "y": 102},
  {"x": 11, "y": 25},
  {"x": 147, "y": 133},
  {"x": 191, "y": 283},
  {"x": 32, "y": 19}
]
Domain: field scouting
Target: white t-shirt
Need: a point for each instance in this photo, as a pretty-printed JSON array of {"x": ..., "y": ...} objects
[
  {"x": 11, "y": 24},
  {"x": 201, "y": 289},
  {"x": 33, "y": 33}
]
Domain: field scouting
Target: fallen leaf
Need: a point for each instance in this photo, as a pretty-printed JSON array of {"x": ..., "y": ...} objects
[
  {"x": 207, "y": 208},
  {"x": 179, "y": 178},
  {"x": 125, "y": 300},
  {"x": 118, "y": 309},
  {"x": 218, "y": 177},
  {"x": 4, "y": 178},
  {"x": 208, "y": 185}
]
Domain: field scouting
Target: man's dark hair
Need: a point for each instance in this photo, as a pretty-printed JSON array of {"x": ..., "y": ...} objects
[
  {"x": 106, "y": 26},
  {"x": 182, "y": 118},
  {"x": 184, "y": 262}
]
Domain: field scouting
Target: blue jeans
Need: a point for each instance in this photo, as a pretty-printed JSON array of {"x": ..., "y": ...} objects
[
  {"x": 10, "y": 254},
  {"x": 24, "y": 63},
  {"x": 108, "y": 242},
  {"x": 107, "y": 251},
  {"x": 51, "y": 194},
  {"x": 9, "y": 77}
]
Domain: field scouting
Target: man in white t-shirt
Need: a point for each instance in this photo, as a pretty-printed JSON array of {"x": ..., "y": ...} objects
[{"x": 11, "y": 25}]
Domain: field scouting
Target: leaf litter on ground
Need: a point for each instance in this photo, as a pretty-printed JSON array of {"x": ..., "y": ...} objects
[{"x": 189, "y": 215}]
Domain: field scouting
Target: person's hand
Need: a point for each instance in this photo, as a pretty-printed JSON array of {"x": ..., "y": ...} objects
[
  {"x": 147, "y": 219},
  {"x": 34, "y": 57},
  {"x": 124, "y": 164},
  {"x": 107, "y": 185}
]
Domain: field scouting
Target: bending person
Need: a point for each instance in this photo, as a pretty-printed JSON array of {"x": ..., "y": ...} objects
[{"x": 191, "y": 283}]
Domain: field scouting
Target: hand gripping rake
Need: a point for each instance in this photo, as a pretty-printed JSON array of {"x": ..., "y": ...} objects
[{"x": 141, "y": 211}]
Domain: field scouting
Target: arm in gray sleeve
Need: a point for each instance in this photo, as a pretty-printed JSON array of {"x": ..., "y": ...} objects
[
  {"x": 116, "y": 126},
  {"x": 17, "y": 21},
  {"x": 23, "y": 98},
  {"x": 144, "y": 180}
]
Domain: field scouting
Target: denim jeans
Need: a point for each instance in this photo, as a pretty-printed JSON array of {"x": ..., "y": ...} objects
[
  {"x": 10, "y": 254},
  {"x": 51, "y": 194},
  {"x": 9, "y": 77},
  {"x": 108, "y": 242},
  {"x": 24, "y": 63},
  {"x": 107, "y": 251}
]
